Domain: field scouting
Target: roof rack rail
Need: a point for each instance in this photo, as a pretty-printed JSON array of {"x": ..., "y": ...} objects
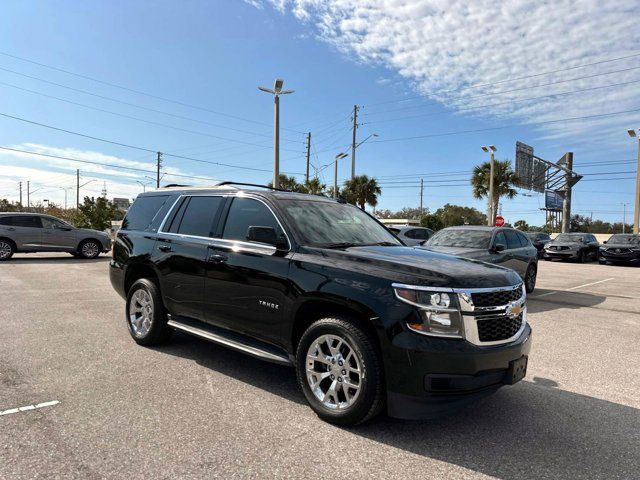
[
  {"x": 174, "y": 185},
  {"x": 221, "y": 184}
]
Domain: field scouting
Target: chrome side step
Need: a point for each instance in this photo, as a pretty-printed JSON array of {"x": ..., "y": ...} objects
[{"x": 233, "y": 343}]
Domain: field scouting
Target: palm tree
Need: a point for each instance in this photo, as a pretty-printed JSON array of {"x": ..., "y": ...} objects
[
  {"x": 314, "y": 186},
  {"x": 504, "y": 179},
  {"x": 362, "y": 191},
  {"x": 289, "y": 183}
]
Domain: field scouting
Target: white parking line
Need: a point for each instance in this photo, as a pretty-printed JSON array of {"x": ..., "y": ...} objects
[
  {"x": 572, "y": 288},
  {"x": 29, "y": 407}
]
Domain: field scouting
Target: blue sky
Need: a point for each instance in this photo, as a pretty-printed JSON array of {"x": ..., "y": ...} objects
[{"x": 414, "y": 67}]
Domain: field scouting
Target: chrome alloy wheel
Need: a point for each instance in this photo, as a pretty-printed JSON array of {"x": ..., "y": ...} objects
[
  {"x": 90, "y": 249},
  {"x": 140, "y": 312},
  {"x": 333, "y": 372},
  {"x": 5, "y": 250}
]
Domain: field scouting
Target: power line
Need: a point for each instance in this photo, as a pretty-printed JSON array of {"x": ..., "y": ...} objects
[
  {"x": 139, "y": 92},
  {"x": 104, "y": 97},
  {"x": 512, "y": 79},
  {"x": 144, "y": 149},
  {"x": 502, "y": 127},
  {"x": 508, "y": 102}
]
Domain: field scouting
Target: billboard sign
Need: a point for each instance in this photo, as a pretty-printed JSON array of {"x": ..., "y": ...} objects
[
  {"x": 553, "y": 200},
  {"x": 531, "y": 171}
]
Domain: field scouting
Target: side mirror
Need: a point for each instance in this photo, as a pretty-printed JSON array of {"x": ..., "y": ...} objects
[
  {"x": 266, "y": 235},
  {"x": 499, "y": 247},
  {"x": 604, "y": 241}
]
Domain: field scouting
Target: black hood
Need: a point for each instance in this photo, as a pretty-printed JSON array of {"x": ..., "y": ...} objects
[
  {"x": 416, "y": 266},
  {"x": 466, "y": 252}
]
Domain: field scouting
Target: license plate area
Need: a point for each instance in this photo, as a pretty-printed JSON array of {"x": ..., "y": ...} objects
[{"x": 517, "y": 370}]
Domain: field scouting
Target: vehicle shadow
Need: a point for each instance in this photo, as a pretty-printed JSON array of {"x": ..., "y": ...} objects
[
  {"x": 543, "y": 300},
  {"x": 530, "y": 430},
  {"x": 26, "y": 259}
]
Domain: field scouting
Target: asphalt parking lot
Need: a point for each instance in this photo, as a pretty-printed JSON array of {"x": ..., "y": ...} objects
[{"x": 191, "y": 409}]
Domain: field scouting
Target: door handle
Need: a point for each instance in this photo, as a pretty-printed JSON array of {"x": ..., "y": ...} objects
[
  {"x": 164, "y": 248},
  {"x": 217, "y": 258}
]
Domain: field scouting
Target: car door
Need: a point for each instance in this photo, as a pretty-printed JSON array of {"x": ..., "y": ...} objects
[
  {"x": 517, "y": 253},
  {"x": 594, "y": 246},
  {"x": 181, "y": 250},
  {"x": 57, "y": 235},
  {"x": 493, "y": 255},
  {"x": 24, "y": 230},
  {"x": 246, "y": 283}
]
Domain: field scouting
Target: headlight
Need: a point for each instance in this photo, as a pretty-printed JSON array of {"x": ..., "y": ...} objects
[{"x": 439, "y": 312}]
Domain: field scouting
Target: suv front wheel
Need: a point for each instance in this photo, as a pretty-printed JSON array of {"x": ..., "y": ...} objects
[
  {"x": 89, "y": 249},
  {"x": 146, "y": 315},
  {"x": 6, "y": 249},
  {"x": 339, "y": 371}
]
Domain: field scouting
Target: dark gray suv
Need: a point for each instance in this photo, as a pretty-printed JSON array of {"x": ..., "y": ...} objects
[
  {"x": 31, "y": 232},
  {"x": 503, "y": 246},
  {"x": 582, "y": 247}
]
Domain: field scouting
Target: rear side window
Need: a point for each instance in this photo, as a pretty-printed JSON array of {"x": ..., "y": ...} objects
[
  {"x": 198, "y": 217},
  {"x": 245, "y": 213},
  {"x": 143, "y": 214},
  {"x": 31, "y": 221},
  {"x": 420, "y": 234},
  {"x": 500, "y": 239},
  {"x": 524, "y": 240},
  {"x": 513, "y": 241}
]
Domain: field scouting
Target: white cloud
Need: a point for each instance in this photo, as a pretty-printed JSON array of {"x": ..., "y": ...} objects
[{"x": 445, "y": 46}]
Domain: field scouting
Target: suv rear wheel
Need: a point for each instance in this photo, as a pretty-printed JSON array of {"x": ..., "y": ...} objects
[
  {"x": 7, "y": 249},
  {"x": 89, "y": 249},
  {"x": 146, "y": 315},
  {"x": 530, "y": 278},
  {"x": 339, "y": 371}
]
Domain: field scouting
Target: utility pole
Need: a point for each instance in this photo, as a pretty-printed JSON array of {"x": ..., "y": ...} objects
[
  {"x": 77, "y": 188},
  {"x": 276, "y": 91},
  {"x": 491, "y": 214},
  {"x": 308, "y": 156},
  {"x": 158, "y": 165},
  {"x": 636, "y": 200},
  {"x": 28, "y": 200},
  {"x": 20, "y": 186},
  {"x": 421, "y": 195},
  {"x": 566, "y": 202},
  {"x": 353, "y": 141}
]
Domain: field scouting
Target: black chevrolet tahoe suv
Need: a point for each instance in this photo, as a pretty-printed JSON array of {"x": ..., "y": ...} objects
[{"x": 318, "y": 284}]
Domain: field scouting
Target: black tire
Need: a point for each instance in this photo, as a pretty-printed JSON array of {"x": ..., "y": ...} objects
[
  {"x": 530, "y": 277},
  {"x": 158, "y": 332},
  {"x": 89, "y": 249},
  {"x": 602, "y": 261},
  {"x": 7, "y": 249},
  {"x": 370, "y": 398},
  {"x": 581, "y": 256}
]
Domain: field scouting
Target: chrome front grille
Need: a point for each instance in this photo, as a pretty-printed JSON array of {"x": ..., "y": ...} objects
[
  {"x": 496, "y": 298},
  {"x": 493, "y": 328}
]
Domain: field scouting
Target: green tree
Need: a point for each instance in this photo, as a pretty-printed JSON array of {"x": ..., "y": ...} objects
[
  {"x": 504, "y": 179},
  {"x": 362, "y": 190},
  {"x": 96, "y": 213},
  {"x": 315, "y": 187},
  {"x": 452, "y": 215},
  {"x": 289, "y": 183},
  {"x": 522, "y": 225},
  {"x": 7, "y": 206},
  {"x": 431, "y": 221}
]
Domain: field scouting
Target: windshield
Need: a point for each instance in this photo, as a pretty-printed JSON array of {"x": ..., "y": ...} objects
[
  {"x": 624, "y": 239},
  {"x": 325, "y": 224},
  {"x": 570, "y": 237},
  {"x": 461, "y": 238}
]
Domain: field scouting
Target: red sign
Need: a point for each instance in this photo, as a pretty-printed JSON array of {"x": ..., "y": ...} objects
[{"x": 499, "y": 221}]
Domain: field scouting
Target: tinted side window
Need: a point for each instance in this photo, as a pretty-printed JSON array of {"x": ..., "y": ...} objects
[
  {"x": 143, "y": 212},
  {"x": 512, "y": 239},
  {"x": 199, "y": 215},
  {"x": 8, "y": 221},
  {"x": 245, "y": 213},
  {"x": 410, "y": 234},
  {"x": 500, "y": 239},
  {"x": 524, "y": 240},
  {"x": 173, "y": 224},
  {"x": 31, "y": 221},
  {"x": 420, "y": 234}
]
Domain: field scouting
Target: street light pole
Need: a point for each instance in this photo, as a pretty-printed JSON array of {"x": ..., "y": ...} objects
[
  {"x": 491, "y": 214},
  {"x": 340, "y": 156},
  {"x": 636, "y": 200},
  {"x": 624, "y": 216},
  {"x": 276, "y": 91}
]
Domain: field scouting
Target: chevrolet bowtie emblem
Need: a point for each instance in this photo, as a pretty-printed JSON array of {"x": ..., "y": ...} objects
[{"x": 514, "y": 310}]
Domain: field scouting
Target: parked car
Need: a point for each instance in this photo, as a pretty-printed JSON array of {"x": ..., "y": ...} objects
[
  {"x": 412, "y": 236},
  {"x": 539, "y": 240},
  {"x": 502, "y": 246},
  {"x": 572, "y": 246},
  {"x": 32, "y": 232},
  {"x": 621, "y": 248},
  {"x": 320, "y": 285}
]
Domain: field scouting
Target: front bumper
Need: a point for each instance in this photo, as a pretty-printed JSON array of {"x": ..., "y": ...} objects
[
  {"x": 619, "y": 257},
  {"x": 560, "y": 253},
  {"x": 428, "y": 377}
]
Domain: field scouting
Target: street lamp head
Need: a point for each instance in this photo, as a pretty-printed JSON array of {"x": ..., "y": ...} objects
[
  {"x": 265, "y": 89},
  {"x": 485, "y": 149},
  {"x": 340, "y": 156},
  {"x": 632, "y": 133},
  {"x": 492, "y": 148},
  {"x": 277, "y": 85},
  {"x": 376, "y": 135}
]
